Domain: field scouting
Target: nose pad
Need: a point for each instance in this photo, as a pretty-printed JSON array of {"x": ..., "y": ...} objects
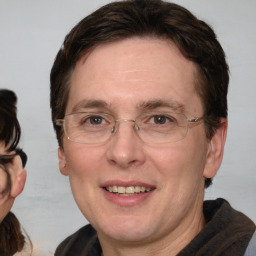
[
  {"x": 137, "y": 128},
  {"x": 114, "y": 128}
]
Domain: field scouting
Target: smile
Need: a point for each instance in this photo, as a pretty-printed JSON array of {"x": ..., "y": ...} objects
[{"x": 127, "y": 191}]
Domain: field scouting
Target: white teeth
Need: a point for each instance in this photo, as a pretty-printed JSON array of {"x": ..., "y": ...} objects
[
  {"x": 137, "y": 189},
  {"x": 127, "y": 190},
  {"x": 121, "y": 190}
]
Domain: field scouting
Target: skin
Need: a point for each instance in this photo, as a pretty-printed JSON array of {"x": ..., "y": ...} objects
[
  {"x": 124, "y": 75},
  {"x": 18, "y": 178},
  {"x": 3, "y": 180}
]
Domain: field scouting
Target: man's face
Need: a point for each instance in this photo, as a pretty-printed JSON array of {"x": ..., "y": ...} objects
[{"x": 126, "y": 75}]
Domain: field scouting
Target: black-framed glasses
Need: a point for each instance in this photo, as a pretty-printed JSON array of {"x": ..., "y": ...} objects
[
  {"x": 5, "y": 159},
  {"x": 151, "y": 127}
]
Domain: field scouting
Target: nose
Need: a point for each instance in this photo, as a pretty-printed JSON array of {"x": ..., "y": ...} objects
[{"x": 125, "y": 147}]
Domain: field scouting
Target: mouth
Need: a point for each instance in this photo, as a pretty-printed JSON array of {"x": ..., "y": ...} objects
[{"x": 127, "y": 191}]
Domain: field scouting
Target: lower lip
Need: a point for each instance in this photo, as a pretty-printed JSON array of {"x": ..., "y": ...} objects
[{"x": 127, "y": 200}]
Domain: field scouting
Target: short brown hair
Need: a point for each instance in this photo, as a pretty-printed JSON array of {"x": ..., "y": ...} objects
[{"x": 147, "y": 18}]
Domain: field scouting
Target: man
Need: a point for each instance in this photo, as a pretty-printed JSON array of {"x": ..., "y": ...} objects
[{"x": 139, "y": 105}]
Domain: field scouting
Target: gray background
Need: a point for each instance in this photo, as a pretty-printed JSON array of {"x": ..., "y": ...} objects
[{"x": 32, "y": 31}]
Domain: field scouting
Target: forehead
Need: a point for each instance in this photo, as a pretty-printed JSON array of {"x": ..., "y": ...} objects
[{"x": 134, "y": 70}]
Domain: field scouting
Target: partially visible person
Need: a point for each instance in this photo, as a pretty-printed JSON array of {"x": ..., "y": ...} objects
[
  {"x": 139, "y": 106},
  {"x": 12, "y": 176}
]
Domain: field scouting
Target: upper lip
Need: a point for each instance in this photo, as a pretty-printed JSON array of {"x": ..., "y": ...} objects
[{"x": 126, "y": 184}]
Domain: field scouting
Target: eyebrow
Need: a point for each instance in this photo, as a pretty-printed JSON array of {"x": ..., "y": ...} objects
[
  {"x": 157, "y": 103},
  {"x": 144, "y": 106},
  {"x": 83, "y": 104}
]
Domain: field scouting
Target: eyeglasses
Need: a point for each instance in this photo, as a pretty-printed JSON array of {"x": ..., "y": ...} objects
[
  {"x": 5, "y": 159},
  {"x": 151, "y": 127}
]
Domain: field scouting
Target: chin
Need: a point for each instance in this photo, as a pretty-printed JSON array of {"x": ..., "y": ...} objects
[{"x": 126, "y": 230}]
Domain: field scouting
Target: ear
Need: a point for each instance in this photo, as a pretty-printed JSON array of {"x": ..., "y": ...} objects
[
  {"x": 62, "y": 161},
  {"x": 18, "y": 182},
  {"x": 216, "y": 150}
]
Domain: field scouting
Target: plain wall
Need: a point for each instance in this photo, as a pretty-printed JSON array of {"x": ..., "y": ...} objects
[{"x": 32, "y": 31}]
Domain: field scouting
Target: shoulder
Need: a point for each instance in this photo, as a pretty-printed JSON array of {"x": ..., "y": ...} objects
[{"x": 78, "y": 242}]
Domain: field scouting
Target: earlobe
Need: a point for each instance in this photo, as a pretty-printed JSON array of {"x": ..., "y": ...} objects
[
  {"x": 62, "y": 161},
  {"x": 216, "y": 150}
]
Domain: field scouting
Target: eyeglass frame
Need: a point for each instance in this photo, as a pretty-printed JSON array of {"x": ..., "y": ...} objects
[
  {"x": 61, "y": 122},
  {"x": 5, "y": 159}
]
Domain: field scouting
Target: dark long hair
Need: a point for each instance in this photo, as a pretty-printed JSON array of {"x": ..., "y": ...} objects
[{"x": 12, "y": 239}]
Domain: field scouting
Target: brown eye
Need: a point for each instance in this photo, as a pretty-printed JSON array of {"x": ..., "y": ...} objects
[
  {"x": 92, "y": 120},
  {"x": 160, "y": 119},
  {"x": 95, "y": 120}
]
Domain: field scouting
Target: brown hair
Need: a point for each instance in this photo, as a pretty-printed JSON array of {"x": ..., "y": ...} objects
[
  {"x": 147, "y": 18},
  {"x": 12, "y": 239}
]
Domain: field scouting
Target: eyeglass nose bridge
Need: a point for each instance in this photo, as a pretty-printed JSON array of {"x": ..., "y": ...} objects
[{"x": 114, "y": 128}]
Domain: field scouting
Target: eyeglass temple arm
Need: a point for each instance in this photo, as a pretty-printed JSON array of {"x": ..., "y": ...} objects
[
  {"x": 195, "y": 120},
  {"x": 59, "y": 122}
]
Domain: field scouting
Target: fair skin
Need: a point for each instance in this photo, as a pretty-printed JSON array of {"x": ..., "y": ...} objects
[
  {"x": 18, "y": 178},
  {"x": 122, "y": 76}
]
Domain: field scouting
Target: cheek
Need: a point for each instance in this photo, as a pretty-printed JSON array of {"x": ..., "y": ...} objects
[
  {"x": 3, "y": 180},
  {"x": 85, "y": 162},
  {"x": 181, "y": 162}
]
